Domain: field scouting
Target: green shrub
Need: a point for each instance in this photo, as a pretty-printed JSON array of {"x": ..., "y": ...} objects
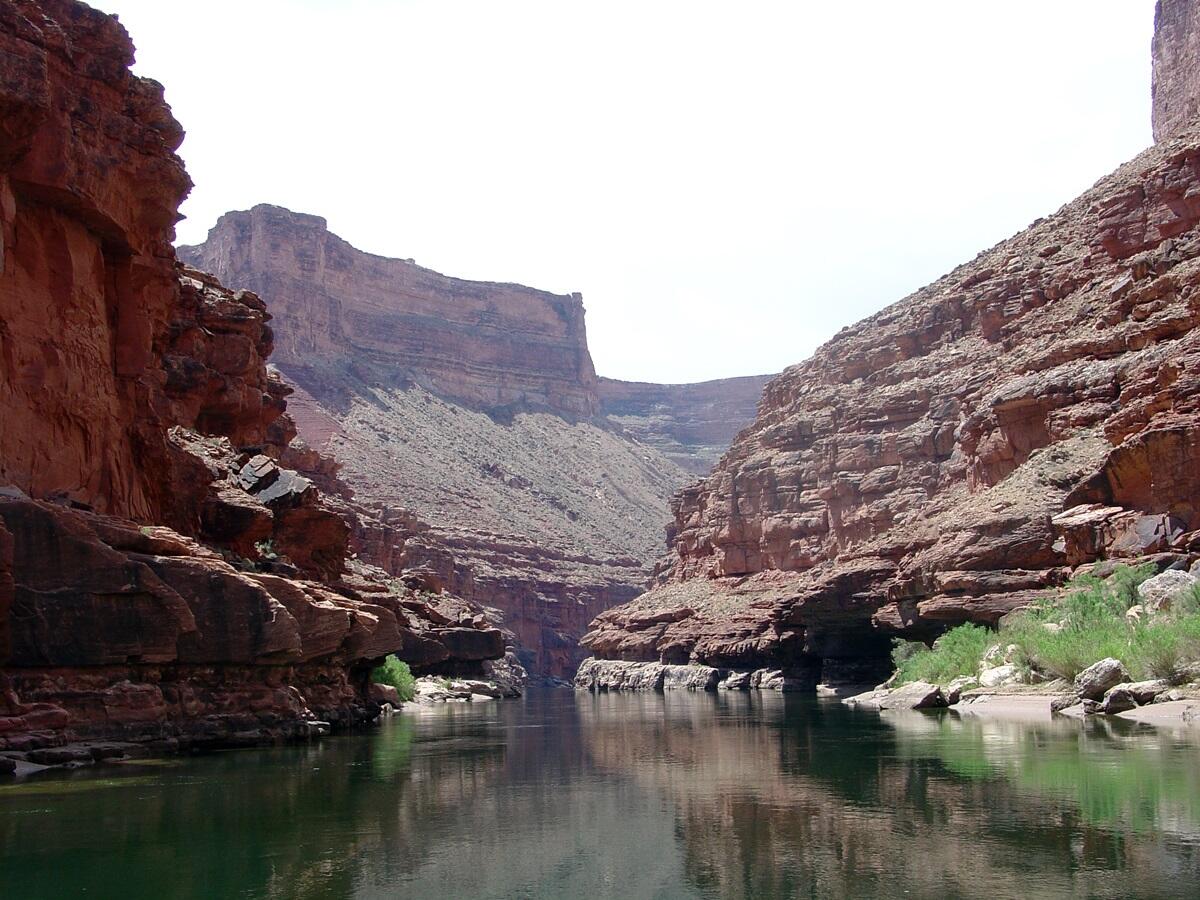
[
  {"x": 903, "y": 651},
  {"x": 396, "y": 673},
  {"x": 1158, "y": 649},
  {"x": 956, "y": 653},
  {"x": 1093, "y": 626},
  {"x": 1064, "y": 635},
  {"x": 1081, "y": 641}
]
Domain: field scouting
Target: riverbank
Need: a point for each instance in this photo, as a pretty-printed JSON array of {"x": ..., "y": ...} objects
[
  {"x": 1033, "y": 708},
  {"x": 1177, "y": 707},
  {"x": 428, "y": 691}
]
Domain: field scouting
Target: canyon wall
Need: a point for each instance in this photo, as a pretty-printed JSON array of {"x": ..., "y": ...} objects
[
  {"x": 468, "y": 415},
  {"x": 1176, "y": 60},
  {"x": 163, "y": 577},
  {"x": 690, "y": 424},
  {"x": 485, "y": 345},
  {"x": 960, "y": 453}
]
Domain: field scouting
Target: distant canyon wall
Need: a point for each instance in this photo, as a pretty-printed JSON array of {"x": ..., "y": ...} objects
[
  {"x": 469, "y": 414},
  {"x": 690, "y": 424}
]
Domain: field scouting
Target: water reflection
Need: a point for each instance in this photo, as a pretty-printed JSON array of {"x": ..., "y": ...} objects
[{"x": 671, "y": 796}]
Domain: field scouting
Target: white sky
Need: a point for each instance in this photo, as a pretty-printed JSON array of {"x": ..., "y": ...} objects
[{"x": 727, "y": 183}]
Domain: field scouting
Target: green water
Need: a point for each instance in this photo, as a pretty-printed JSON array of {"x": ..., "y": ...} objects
[{"x": 665, "y": 796}]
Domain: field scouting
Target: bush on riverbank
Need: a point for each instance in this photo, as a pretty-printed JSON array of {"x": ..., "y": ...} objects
[
  {"x": 955, "y": 653},
  {"x": 1063, "y": 635},
  {"x": 396, "y": 673}
]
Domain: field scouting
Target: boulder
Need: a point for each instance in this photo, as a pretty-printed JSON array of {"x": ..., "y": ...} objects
[
  {"x": 385, "y": 693},
  {"x": 431, "y": 690},
  {"x": 507, "y": 674},
  {"x": 735, "y": 681},
  {"x": 1063, "y": 702},
  {"x": 1117, "y": 699},
  {"x": 618, "y": 675},
  {"x": 870, "y": 699},
  {"x": 484, "y": 688},
  {"x": 914, "y": 695},
  {"x": 1092, "y": 682},
  {"x": 1000, "y": 675},
  {"x": 1159, "y": 592},
  {"x": 783, "y": 680},
  {"x": 690, "y": 678},
  {"x": 954, "y": 690},
  {"x": 1142, "y": 692}
]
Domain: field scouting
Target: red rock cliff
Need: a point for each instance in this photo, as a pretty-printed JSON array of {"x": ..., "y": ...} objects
[
  {"x": 946, "y": 459},
  {"x": 467, "y": 414},
  {"x": 483, "y": 344},
  {"x": 140, "y": 497},
  {"x": 1176, "y": 52}
]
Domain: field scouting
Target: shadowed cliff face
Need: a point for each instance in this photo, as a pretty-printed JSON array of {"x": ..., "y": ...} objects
[
  {"x": 955, "y": 455},
  {"x": 162, "y": 576},
  {"x": 468, "y": 414}
]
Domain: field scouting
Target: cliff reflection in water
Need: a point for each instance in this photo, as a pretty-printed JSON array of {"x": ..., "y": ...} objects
[
  {"x": 780, "y": 797},
  {"x": 671, "y": 796}
]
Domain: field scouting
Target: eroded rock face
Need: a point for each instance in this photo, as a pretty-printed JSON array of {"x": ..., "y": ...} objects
[
  {"x": 162, "y": 576},
  {"x": 958, "y": 454},
  {"x": 690, "y": 424},
  {"x": 487, "y": 345},
  {"x": 480, "y": 447},
  {"x": 89, "y": 191},
  {"x": 1176, "y": 86}
]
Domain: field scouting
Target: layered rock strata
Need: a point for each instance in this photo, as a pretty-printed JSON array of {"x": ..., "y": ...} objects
[
  {"x": 485, "y": 345},
  {"x": 471, "y": 425},
  {"x": 1176, "y": 59},
  {"x": 163, "y": 577},
  {"x": 956, "y": 455},
  {"x": 689, "y": 424}
]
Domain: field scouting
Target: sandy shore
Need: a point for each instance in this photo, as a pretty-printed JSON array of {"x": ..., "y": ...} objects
[
  {"x": 1010, "y": 707},
  {"x": 1026, "y": 707},
  {"x": 1172, "y": 714}
]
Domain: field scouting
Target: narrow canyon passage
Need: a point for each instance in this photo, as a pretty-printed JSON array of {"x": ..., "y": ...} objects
[{"x": 326, "y": 574}]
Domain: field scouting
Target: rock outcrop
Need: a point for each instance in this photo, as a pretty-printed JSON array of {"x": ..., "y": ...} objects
[
  {"x": 162, "y": 576},
  {"x": 955, "y": 455},
  {"x": 472, "y": 429}
]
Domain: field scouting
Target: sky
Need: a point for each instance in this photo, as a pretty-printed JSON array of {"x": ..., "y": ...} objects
[{"x": 726, "y": 183}]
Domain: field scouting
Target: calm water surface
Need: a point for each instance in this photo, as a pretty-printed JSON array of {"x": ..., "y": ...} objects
[{"x": 643, "y": 796}]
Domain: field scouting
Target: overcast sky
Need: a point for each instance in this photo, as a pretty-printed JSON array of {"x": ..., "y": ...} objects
[{"x": 727, "y": 184}]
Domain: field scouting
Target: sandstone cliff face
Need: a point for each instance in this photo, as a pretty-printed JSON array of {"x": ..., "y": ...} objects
[
  {"x": 472, "y": 429},
  {"x": 486, "y": 345},
  {"x": 162, "y": 577},
  {"x": 948, "y": 458},
  {"x": 1176, "y": 52}
]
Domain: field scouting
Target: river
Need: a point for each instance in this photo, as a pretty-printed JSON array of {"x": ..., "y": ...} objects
[{"x": 563, "y": 795}]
